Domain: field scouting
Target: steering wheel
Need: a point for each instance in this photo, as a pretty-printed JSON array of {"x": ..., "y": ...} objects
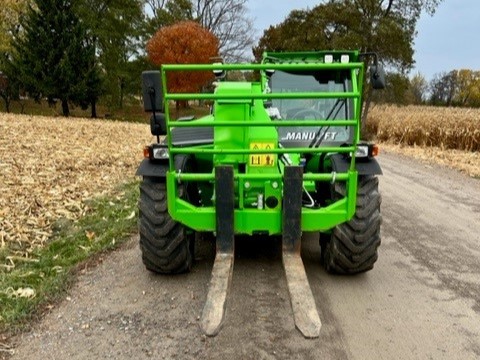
[{"x": 317, "y": 115}]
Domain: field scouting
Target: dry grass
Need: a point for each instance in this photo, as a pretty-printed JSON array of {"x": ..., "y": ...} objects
[
  {"x": 445, "y": 128},
  {"x": 447, "y": 136},
  {"x": 465, "y": 161},
  {"x": 51, "y": 167}
]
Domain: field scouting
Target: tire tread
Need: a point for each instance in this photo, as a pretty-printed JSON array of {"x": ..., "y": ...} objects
[
  {"x": 164, "y": 243},
  {"x": 353, "y": 246}
]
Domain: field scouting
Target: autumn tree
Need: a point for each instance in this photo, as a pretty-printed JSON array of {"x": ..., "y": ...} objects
[
  {"x": 184, "y": 43},
  {"x": 456, "y": 88},
  {"x": 11, "y": 14},
  {"x": 418, "y": 88},
  {"x": 468, "y": 88}
]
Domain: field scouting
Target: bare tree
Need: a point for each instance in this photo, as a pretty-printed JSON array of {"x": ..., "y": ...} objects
[
  {"x": 155, "y": 5},
  {"x": 443, "y": 88},
  {"x": 228, "y": 20}
]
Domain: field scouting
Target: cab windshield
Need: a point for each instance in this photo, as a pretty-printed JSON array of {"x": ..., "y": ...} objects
[{"x": 312, "y": 109}]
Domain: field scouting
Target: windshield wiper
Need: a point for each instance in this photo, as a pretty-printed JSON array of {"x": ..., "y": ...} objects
[{"x": 317, "y": 140}]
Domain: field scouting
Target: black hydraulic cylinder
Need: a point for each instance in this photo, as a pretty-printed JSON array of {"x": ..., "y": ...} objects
[
  {"x": 224, "y": 208},
  {"x": 292, "y": 208}
]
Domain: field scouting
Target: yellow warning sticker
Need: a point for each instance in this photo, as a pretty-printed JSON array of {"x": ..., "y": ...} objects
[{"x": 262, "y": 159}]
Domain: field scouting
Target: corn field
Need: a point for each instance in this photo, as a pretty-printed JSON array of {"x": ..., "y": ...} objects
[
  {"x": 51, "y": 167},
  {"x": 446, "y": 128}
]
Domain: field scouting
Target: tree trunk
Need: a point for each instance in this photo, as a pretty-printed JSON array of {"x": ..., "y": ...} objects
[
  {"x": 65, "y": 108},
  {"x": 94, "y": 109},
  {"x": 122, "y": 90},
  {"x": 6, "y": 99}
]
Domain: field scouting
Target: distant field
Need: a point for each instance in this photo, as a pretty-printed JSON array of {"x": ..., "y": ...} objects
[
  {"x": 447, "y": 136},
  {"x": 446, "y": 128}
]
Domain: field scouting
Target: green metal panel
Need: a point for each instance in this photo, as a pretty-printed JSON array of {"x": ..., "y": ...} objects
[
  {"x": 226, "y": 137},
  {"x": 250, "y": 221}
]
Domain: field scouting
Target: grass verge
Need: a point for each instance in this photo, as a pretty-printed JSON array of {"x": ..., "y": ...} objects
[{"x": 43, "y": 279}]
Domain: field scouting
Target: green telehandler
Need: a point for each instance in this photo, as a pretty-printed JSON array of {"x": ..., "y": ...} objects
[{"x": 279, "y": 156}]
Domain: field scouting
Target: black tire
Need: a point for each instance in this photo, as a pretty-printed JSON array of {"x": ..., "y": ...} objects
[
  {"x": 352, "y": 247},
  {"x": 166, "y": 247}
]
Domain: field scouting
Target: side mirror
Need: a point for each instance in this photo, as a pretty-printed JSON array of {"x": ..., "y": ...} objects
[
  {"x": 158, "y": 124},
  {"x": 152, "y": 91},
  {"x": 377, "y": 76}
]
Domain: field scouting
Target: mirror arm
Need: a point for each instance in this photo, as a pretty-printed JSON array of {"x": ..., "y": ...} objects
[
  {"x": 370, "y": 53},
  {"x": 375, "y": 60}
]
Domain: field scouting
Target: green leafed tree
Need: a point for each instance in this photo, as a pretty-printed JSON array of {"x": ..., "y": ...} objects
[
  {"x": 387, "y": 27},
  {"x": 54, "y": 58},
  {"x": 162, "y": 13},
  {"x": 396, "y": 91},
  {"x": 115, "y": 28}
]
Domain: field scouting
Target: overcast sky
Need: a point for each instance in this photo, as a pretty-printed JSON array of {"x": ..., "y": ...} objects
[{"x": 448, "y": 40}]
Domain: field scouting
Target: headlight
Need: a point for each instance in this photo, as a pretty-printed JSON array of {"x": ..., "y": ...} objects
[
  {"x": 362, "y": 151},
  {"x": 366, "y": 151},
  {"x": 160, "y": 153}
]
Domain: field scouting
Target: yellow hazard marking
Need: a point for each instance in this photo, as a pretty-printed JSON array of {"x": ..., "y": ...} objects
[{"x": 262, "y": 159}]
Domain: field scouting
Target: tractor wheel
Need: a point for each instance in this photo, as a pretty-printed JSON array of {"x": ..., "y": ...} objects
[
  {"x": 352, "y": 246},
  {"x": 166, "y": 247}
]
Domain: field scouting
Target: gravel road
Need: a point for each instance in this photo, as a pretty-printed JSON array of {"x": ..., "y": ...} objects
[{"x": 421, "y": 301}]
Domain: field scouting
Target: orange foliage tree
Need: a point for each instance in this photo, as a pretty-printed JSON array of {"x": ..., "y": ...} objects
[{"x": 185, "y": 42}]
